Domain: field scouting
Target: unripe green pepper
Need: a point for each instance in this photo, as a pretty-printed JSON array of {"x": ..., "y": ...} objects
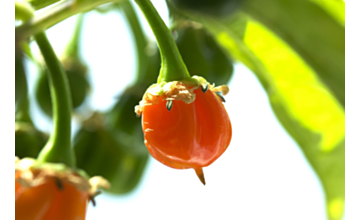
[
  {"x": 79, "y": 85},
  {"x": 100, "y": 151},
  {"x": 28, "y": 140},
  {"x": 202, "y": 55},
  {"x": 76, "y": 72},
  {"x": 126, "y": 127},
  {"x": 210, "y": 7}
]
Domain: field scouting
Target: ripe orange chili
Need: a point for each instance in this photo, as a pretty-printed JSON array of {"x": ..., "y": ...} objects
[
  {"x": 190, "y": 135},
  {"x": 52, "y": 191},
  {"x": 48, "y": 201}
]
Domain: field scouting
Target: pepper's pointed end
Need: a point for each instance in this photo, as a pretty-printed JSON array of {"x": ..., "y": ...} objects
[{"x": 200, "y": 174}]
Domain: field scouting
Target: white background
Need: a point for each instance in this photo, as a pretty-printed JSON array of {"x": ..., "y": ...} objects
[{"x": 262, "y": 175}]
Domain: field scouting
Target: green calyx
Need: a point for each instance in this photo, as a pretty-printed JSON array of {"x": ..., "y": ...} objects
[{"x": 172, "y": 65}]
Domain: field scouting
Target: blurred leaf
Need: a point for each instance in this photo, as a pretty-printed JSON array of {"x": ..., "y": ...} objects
[
  {"x": 303, "y": 105},
  {"x": 336, "y": 8},
  {"x": 318, "y": 36}
]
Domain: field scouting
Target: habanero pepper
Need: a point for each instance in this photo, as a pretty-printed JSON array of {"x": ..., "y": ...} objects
[
  {"x": 184, "y": 122},
  {"x": 51, "y": 187},
  {"x": 52, "y": 191},
  {"x": 186, "y": 125}
]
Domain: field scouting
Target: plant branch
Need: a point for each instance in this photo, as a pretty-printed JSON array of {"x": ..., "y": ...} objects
[
  {"x": 58, "y": 149},
  {"x": 172, "y": 65},
  {"x": 55, "y": 14},
  {"x": 72, "y": 49}
]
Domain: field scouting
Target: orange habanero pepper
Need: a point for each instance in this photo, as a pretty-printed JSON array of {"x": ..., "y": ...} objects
[
  {"x": 47, "y": 192},
  {"x": 185, "y": 126}
]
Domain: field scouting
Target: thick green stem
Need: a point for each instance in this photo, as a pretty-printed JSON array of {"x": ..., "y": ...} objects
[
  {"x": 54, "y": 14},
  {"x": 140, "y": 40},
  {"x": 72, "y": 49},
  {"x": 58, "y": 149},
  {"x": 172, "y": 65}
]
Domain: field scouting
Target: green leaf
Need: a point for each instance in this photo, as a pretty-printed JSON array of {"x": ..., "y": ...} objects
[
  {"x": 313, "y": 32},
  {"x": 303, "y": 105},
  {"x": 336, "y": 9}
]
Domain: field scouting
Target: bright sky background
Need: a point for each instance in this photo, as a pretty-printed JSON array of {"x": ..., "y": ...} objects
[{"x": 262, "y": 175}]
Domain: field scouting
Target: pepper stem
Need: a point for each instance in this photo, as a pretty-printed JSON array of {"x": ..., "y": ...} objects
[
  {"x": 172, "y": 65},
  {"x": 72, "y": 49},
  {"x": 200, "y": 174},
  {"x": 58, "y": 148}
]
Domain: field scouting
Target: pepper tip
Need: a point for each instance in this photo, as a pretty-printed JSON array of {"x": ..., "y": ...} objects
[{"x": 200, "y": 174}]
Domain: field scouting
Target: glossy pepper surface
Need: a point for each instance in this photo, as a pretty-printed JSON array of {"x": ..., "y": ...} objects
[
  {"x": 189, "y": 131},
  {"x": 47, "y": 201}
]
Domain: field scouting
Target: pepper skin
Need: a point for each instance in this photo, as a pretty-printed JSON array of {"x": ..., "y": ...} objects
[
  {"x": 189, "y": 135},
  {"x": 50, "y": 201}
]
